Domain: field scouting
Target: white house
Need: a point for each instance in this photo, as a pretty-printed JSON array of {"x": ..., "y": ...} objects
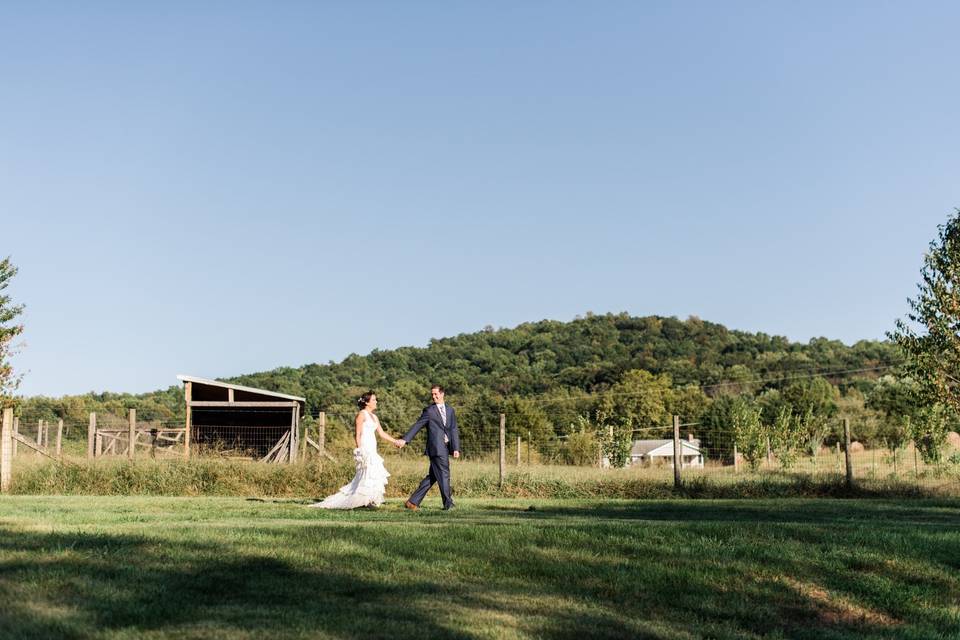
[{"x": 647, "y": 452}]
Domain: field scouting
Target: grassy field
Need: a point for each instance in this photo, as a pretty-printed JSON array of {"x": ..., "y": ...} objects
[{"x": 155, "y": 567}]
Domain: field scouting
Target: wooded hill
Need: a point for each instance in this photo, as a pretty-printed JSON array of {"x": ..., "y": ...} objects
[{"x": 556, "y": 374}]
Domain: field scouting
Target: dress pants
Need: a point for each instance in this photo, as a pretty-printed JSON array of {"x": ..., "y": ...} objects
[{"x": 439, "y": 473}]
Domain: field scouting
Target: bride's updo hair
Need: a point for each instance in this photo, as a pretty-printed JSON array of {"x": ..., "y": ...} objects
[{"x": 364, "y": 400}]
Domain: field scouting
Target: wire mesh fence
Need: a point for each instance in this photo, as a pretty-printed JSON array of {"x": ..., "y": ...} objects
[
  {"x": 492, "y": 443},
  {"x": 704, "y": 450}
]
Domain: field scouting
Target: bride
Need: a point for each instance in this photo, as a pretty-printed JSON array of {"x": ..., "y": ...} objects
[{"x": 366, "y": 488}]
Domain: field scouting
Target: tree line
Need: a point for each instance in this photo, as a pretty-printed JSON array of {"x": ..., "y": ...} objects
[{"x": 566, "y": 385}]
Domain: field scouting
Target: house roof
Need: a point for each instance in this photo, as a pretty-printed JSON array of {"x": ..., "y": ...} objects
[
  {"x": 663, "y": 448},
  {"x": 238, "y": 387}
]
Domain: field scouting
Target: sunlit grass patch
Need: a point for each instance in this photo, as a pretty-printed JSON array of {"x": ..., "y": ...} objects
[{"x": 113, "y": 567}]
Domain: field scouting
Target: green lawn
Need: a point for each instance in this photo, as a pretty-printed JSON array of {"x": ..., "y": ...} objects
[{"x": 113, "y": 567}]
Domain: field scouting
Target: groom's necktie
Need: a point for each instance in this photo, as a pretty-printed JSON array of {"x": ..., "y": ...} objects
[{"x": 443, "y": 416}]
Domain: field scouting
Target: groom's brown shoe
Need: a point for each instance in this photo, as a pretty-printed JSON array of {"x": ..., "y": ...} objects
[{"x": 411, "y": 506}]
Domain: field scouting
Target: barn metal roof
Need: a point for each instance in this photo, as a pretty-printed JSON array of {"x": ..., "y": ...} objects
[{"x": 238, "y": 387}]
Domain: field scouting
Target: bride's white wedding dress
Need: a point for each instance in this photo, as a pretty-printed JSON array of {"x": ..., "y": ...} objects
[{"x": 366, "y": 488}]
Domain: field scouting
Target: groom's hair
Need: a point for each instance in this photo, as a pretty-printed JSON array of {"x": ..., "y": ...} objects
[{"x": 438, "y": 387}]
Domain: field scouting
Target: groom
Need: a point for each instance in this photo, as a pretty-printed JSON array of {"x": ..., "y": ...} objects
[{"x": 443, "y": 438}]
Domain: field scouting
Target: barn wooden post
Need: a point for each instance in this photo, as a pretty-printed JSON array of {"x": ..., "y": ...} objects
[
  {"x": 296, "y": 426},
  {"x": 677, "y": 458},
  {"x": 91, "y": 435},
  {"x": 294, "y": 421},
  {"x": 322, "y": 433},
  {"x": 188, "y": 395},
  {"x": 132, "y": 434},
  {"x": 846, "y": 450},
  {"x": 16, "y": 430},
  {"x": 503, "y": 445},
  {"x": 6, "y": 450},
  {"x": 59, "y": 436}
]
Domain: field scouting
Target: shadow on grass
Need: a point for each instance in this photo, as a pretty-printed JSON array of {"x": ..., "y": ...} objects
[
  {"x": 125, "y": 585},
  {"x": 944, "y": 512},
  {"x": 721, "y": 570}
]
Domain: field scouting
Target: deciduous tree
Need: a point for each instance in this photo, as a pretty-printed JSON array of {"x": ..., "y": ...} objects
[{"x": 9, "y": 331}]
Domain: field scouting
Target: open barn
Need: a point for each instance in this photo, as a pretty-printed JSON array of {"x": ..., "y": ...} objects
[{"x": 238, "y": 421}]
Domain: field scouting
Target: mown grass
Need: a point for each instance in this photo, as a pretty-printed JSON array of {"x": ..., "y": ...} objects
[
  {"x": 216, "y": 477},
  {"x": 110, "y": 567}
]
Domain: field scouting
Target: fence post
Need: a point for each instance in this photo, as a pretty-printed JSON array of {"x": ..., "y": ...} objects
[
  {"x": 91, "y": 435},
  {"x": 16, "y": 430},
  {"x": 6, "y": 450},
  {"x": 916, "y": 462},
  {"x": 518, "y": 451},
  {"x": 529, "y": 440},
  {"x": 503, "y": 445},
  {"x": 46, "y": 434},
  {"x": 846, "y": 450},
  {"x": 39, "y": 436},
  {"x": 131, "y": 433},
  {"x": 188, "y": 398},
  {"x": 59, "y": 435},
  {"x": 322, "y": 432},
  {"x": 306, "y": 447},
  {"x": 838, "y": 457},
  {"x": 677, "y": 458},
  {"x": 736, "y": 459},
  {"x": 769, "y": 453}
]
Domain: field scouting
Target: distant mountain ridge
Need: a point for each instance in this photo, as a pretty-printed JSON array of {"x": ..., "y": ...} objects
[
  {"x": 587, "y": 354},
  {"x": 545, "y": 361}
]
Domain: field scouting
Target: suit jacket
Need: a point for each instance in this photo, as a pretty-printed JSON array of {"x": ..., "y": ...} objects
[{"x": 430, "y": 418}]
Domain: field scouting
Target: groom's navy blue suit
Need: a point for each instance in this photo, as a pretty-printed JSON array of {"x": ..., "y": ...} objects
[{"x": 438, "y": 451}]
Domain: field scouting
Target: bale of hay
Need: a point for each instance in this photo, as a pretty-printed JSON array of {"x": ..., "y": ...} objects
[
  {"x": 856, "y": 447},
  {"x": 953, "y": 439}
]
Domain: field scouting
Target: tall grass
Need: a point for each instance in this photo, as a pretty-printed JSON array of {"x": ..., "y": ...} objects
[{"x": 217, "y": 477}]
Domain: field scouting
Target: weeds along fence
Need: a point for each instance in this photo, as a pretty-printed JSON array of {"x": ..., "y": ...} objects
[{"x": 499, "y": 453}]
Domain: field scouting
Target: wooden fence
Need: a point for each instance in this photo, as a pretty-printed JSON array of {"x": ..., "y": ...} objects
[{"x": 150, "y": 439}]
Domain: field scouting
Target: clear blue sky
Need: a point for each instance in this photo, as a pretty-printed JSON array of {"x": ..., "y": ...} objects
[{"x": 220, "y": 188}]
